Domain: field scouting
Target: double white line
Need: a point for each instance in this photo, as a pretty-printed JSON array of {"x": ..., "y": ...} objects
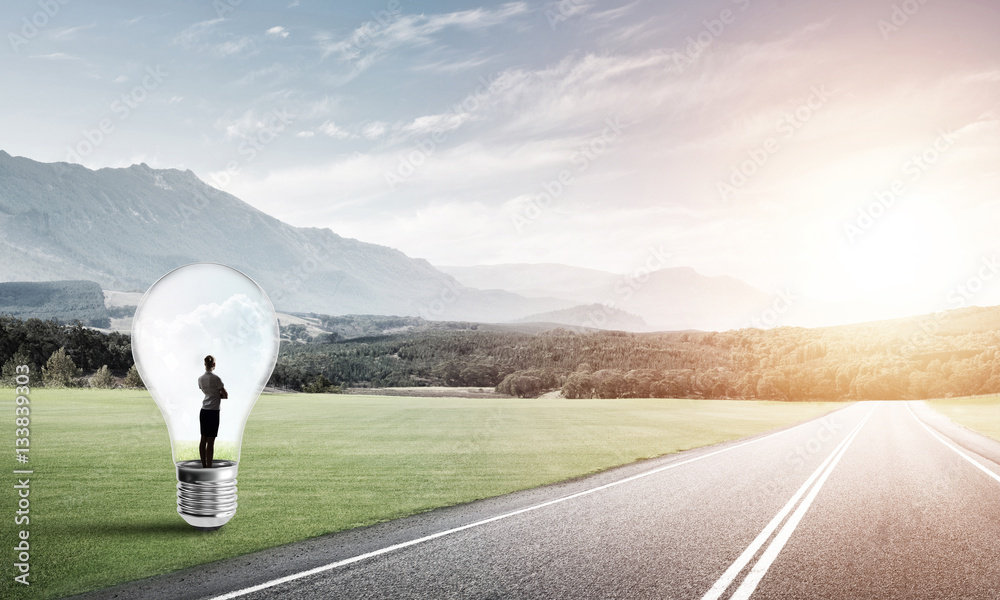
[{"x": 809, "y": 489}]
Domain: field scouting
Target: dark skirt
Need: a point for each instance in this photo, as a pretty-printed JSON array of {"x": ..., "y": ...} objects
[{"x": 209, "y": 422}]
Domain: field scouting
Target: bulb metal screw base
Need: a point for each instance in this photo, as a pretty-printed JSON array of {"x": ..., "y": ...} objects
[{"x": 206, "y": 498}]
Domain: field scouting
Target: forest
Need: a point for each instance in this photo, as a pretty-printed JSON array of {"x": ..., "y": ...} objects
[
  {"x": 75, "y": 348},
  {"x": 955, "y": 353}
]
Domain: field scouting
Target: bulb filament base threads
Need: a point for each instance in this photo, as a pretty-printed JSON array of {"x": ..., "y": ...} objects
[{"x": 206, "y": 498}]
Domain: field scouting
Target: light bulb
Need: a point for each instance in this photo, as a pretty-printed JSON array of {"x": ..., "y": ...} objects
[{"x": 191, "y": 312}]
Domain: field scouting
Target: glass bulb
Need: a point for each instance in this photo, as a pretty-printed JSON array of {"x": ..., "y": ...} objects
[{"x": 191, "y": 312}]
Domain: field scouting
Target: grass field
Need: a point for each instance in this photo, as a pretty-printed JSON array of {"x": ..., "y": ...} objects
[
  {"x": 103, "y": 494},
  {"x": 979, "y": 413}
]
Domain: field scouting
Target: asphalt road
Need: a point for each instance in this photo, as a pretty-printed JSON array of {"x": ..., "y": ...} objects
[{"x": 878, "y": 500}]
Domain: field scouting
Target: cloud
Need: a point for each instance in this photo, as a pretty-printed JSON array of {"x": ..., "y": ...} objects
[
  {"x": 374, "y": 130},
  {"x": 576, "y": 94},
  {"x": 430, "y": 230},
  {"x": 561, "y": 10},
  {"x": 305, "y": 134},
  {"x": 56, "y": 56},
  {"x": 465, "y": 111},
  {"x": 367, "y": 44},
  {"x": 274, "y": 74},
  {"x": 330, "y": 129},
  {"x": 134, "y": 20},
  {"x": 205, "y": 37},
  {"x": 68, "y": 33},
  {"x": 612, "y": 13},
  {"x": 319, "y": 108},
  {"x": 992, "y": 76},
  {"x": 348, "y": 181},
  {"x": 250, "y": 125},
  {"x": 277, "y": 32},
  {"x": 659, "y": 87},
  {"x": 171, "y": 345},
  {"x": 451, "y": 67},
  {"x": 475, "y": 19},
  {"x": 193, "y": 34},
  {"x": 441, "y": 123},
  {"x": 234, "y": 46}
]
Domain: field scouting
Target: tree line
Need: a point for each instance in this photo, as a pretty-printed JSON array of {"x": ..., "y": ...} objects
[
  {"x": 66, "y": 355},
  {"x": 949, "y": 354}
]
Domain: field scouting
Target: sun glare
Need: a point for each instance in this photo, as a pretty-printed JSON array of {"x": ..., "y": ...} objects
[{"x": 890, "y": 254}]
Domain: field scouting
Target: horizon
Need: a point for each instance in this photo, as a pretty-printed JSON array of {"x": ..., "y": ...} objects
[{"x": 844, "y": 153}]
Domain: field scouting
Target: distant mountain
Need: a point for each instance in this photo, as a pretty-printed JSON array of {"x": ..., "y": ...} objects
[
  {"x": 681, "y": 298},
  {"x": 594, "y": 316},
  {"x": 65, "y": 301},
  {"x": 124, "y": 228},
  {"x": 583, "y": 286},
  {"x": 667, "y": 299}
]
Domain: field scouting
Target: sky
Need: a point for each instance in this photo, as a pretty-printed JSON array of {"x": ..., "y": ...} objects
[{"x": 839, "y": 150}]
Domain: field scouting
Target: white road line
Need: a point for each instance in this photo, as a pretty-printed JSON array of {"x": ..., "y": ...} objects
[
  {"x": 400, "y": 546},
  {"x": 759, "y": 569},
  {"x": 947, "y": 443},
  {"x": 734, "y": 569}
]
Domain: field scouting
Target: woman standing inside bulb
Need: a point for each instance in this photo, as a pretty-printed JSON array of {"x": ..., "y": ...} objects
[{"x": 215, "y": 393}]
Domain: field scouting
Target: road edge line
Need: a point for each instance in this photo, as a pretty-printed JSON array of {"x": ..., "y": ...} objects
[{"x": 950, "y": 445}]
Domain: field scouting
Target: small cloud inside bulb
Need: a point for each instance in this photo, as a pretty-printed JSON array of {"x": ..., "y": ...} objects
[{"x": 240, "y": 332}]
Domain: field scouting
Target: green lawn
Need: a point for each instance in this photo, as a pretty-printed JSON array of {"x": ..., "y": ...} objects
[
  {"x": 979, "y": 413},
  {"x": 103, "y": 494}
]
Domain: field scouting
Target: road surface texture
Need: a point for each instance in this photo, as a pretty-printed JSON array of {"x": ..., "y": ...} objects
[{"x": 877, "y": 500}]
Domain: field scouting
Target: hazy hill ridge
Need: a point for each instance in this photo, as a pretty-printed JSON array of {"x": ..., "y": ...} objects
[
  {"x": 667, "y": 299},
  {"x": 594, "y": 316},
  {"x": 65, "y": 301}
]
